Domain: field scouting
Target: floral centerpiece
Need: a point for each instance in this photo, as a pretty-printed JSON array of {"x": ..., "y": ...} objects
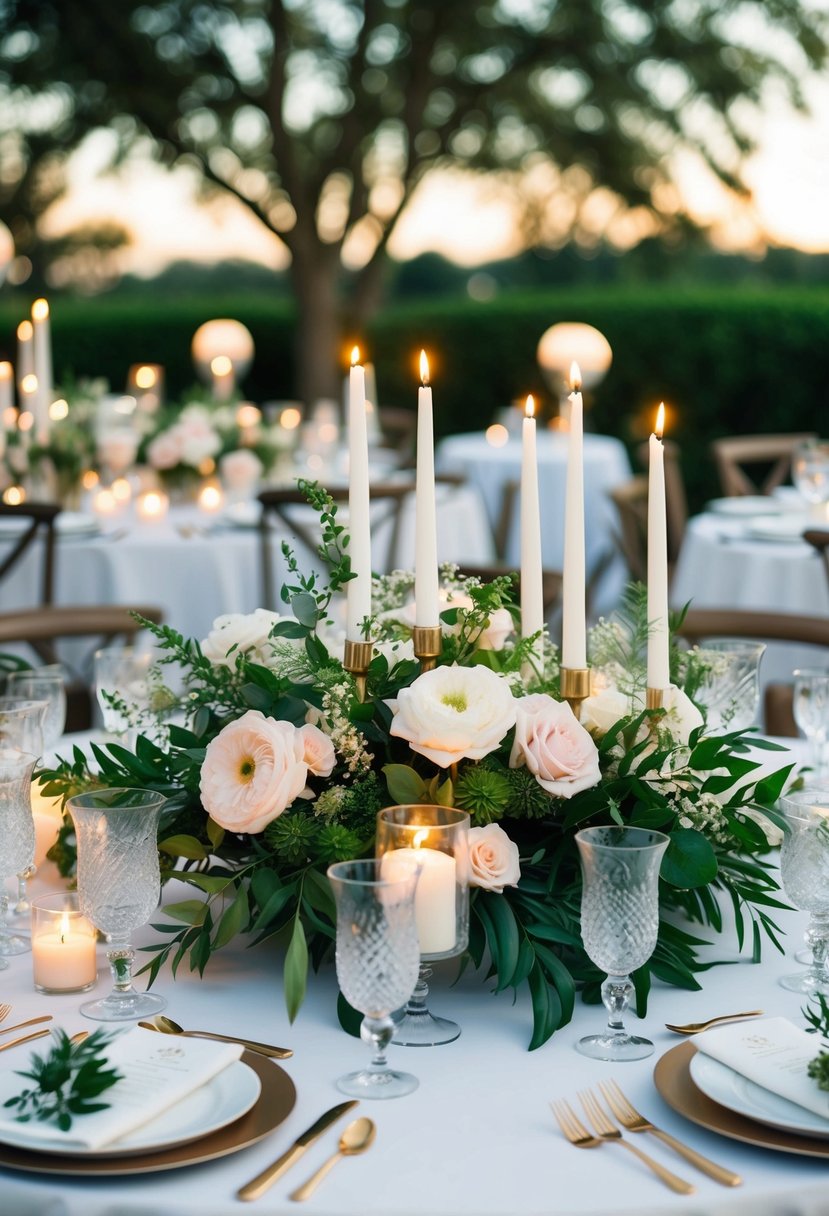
[
  {"x": 53, "y": 464},
  {"x": 281, "y": 770}
]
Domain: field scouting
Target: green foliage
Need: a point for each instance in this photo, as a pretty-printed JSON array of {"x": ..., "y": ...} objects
[
  {"x": 66, "y": 1081},
  {"x": 483, "y": 792}
]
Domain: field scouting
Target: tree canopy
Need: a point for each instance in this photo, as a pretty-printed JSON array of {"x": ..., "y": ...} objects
[{"x": 322, "y": 116}]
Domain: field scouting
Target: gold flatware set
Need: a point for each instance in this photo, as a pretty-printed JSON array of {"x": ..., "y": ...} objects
[{"x": 168, "y": 1026}]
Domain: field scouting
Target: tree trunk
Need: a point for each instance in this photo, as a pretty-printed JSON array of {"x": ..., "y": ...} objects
[{"x": 319, "y": 359}]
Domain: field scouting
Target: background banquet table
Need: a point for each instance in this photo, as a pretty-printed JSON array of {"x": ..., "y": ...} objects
[
  {"x": 722, "y": 565},
  {"x": 477, "y": 1137},
  {"x": 606, "y": 466},
  {"x": 196, "y": 566}
]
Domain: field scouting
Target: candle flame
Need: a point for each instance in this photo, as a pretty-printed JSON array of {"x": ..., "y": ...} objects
[
  {"x": 529, "y": 408},
  {"x": 419, "y": 838},
  {"x": 64, "y": 926},
  {"x": 40, "y": 310},
  {"x": 14, "y": 496},
  {"x": 145, "y": 377},
  {"x": 575, "y": 377},
  {"x": 355, "y": 356},
  {"x": 424, "y": 369},
  {"x": 221, "y": 365},
  {"x": 5, "y": 370},
  {"x": 659, "y": 429},
  {"x": 25, "y": 331},
  {"x": 29, "y": 383}
]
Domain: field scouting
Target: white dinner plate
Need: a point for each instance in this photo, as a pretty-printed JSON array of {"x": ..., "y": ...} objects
[
  {"x": 784, "y": 529},
  {"x": 722, "y": 1084},
  {"x": 68, "y": 523},
  {"x": 242, "y": 515},
  {"x": 745, "y": 506},
  {"x": 222, "y": 1101}
]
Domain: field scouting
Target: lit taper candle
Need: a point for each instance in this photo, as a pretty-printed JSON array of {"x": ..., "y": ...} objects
[
  {"x": 532, "y": 598},
  {"x": 426, "y": 539},
  {"x": 25, "y": 351},
  {"x": 43, "y": 366},
  {"x": 358, "y": 589},
  {"x": 6, "y": 387},
  {"x": 659, "y": 675},
  {"x": 574, "y": 624}
]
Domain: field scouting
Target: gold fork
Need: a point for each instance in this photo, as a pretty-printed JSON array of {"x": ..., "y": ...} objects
[
  {"x": 5, "y": 1010},
  {"x": 629, "y": 1117},
  {"x": 578, "y": 1135},
  {"x": 606, "y": 1130}
]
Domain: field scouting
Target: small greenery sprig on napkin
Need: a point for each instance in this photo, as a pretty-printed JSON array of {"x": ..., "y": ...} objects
[
  {"x": 818, "y": 1068},
  {"x": 66, "y": 1081}
]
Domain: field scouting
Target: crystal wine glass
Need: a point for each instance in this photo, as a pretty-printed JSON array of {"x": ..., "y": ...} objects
[
  {"x": 436, "y": 839},
  {"x": 121, "y": 672},
  {"x": 804, "y": 869},
  {"x": 619, "y": 924},
  {"x": 811, "y": 713},
  {"x": 21, "y": 726},
  {"x": 810, "y": 472},
  {"x": 17, "y": 834},
  {"x": 377, "y": 958},
  {"x": 730, "y": 692},
  {"x": 43, "y": 684},
  {"x": 118, "y": 886}
]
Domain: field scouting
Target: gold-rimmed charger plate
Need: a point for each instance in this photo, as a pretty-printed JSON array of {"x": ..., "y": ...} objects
[
  {"x": 275, "y": 1103},
  {"x": 672, "y": 1078}
]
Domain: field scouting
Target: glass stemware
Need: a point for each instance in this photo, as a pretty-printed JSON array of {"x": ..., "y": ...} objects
[
  {"x": 804, "y": 869},
  {"x": 436, "y": 840},
  {"x": 119, "y": 885},
  {"x": 810, "y": 473},
  {"x": 377, "y": 959},
  {"x": 17, "y": 835},
  {"x": 619, "y": 924},
  {"x": 21, "y": 727},
  {"x": 43, "y": 684},
  {"x": 730, "y": 692},
  {"x": 811, "y": 713},
  {"x": 121, "y": 673}
]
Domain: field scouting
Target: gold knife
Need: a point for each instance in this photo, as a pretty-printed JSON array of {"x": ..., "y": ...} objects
[
  {"x": 46, "y": 1017},
  {"x": 262, "y": 1182},
  {"x": 27, "y": 1038}
]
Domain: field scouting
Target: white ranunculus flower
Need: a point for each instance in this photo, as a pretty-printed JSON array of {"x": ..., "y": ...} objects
[
  {"x": 493, "y": 859},
  {"x": 246, "y": 633},
  {"x": 454, "y": 713}
]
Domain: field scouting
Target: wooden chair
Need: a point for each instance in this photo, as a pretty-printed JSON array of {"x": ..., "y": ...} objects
[
  {"x": 398, "y": 427},
  {"x": 631, "y": 502},
  {"x": 551, "y": 582},
  {"x": 279, "y": 502},
  {"x": 41, "y": 628},
  {"x": 39, "y": 525},
  {"x": 701, "y": 623},
  {"x": 770, "y": 454}
]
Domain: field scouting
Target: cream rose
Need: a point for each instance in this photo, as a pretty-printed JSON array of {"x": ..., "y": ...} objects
[
  {"x": 603, "y": 709},
  {"x": 493, "y": 859},
  {"x": 238, "y": 633},
  {"x": 164, "y": 452},
  {"x": 452, "y": 713},
  {"x": 554, "y": 745},
  {"x": 318, "y": 750},
  {"x": 240, "y": 470},
  {"x": 252, "y": 771}
]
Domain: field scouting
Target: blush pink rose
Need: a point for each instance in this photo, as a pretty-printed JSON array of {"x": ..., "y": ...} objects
[
  {"x": 554, "y": 745},
  {"x": 165, "y": 451},
  {"x": 252, "y": 771},
  {"x": 318, "y": 751},
  {"x": 493, "y": 859}
]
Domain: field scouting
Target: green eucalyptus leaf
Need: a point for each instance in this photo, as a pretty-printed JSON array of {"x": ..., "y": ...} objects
[
  {"x": 405, "y": 785},
  {"x": 689, "y": 860},
  {"x": 296, "y": 970}
]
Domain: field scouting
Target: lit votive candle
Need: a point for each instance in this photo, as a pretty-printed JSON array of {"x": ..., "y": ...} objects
[
  {"x": 48, "y": 818},
  {"x": 105, "y": 503},
  {"x": 121, "y": 490},
  {"x": 435, "y": 895},
  {"x": 211, "y": 498},
  {"x": 152, "y": 505},
  {"x": 63, "y": 945}
]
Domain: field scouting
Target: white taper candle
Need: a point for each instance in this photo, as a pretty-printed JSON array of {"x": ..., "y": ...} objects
[
  {"x": 426, "y": 537},
  {"x": 43, "y": 367},
  {"x": 358, "y": 589},
  {"x": 659, "y": 675},
  {"x": 574, "y": 622},
  {"x": 532, "y": 596}
]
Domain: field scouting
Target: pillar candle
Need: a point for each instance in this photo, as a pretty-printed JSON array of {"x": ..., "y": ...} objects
[
  {"x": 574, "y": 623},
  {"x": 358, "y": 589},
  {"x": 25, "y": 351},
  {"x": 43, "y": 367},
  {"x": 426, "y": 535},
  {"x": 658, "y": 637},
  {"x": 532, "y": 598},
  {"x": 435, "y": 895}
]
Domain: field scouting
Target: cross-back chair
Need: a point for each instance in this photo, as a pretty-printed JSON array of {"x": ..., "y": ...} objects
[{"x": 768, "y": 456}]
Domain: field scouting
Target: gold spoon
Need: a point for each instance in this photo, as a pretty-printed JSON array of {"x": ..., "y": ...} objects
[
  {"x": 168, "y": 1026},
  {"x": 698, "y": 1027},
  {"x": 356, "y": 1138}
]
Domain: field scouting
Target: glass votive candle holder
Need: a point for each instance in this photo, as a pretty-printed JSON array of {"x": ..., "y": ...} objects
[{"x": 63, "y": 944}]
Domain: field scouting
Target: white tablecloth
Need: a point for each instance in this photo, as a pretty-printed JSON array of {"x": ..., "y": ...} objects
[
  {"x": 719, "y": 567},
  {"x": 606, "y": 466},
  {"x": 477, "y": 1137},
  {"x": 195, "y": 569}
]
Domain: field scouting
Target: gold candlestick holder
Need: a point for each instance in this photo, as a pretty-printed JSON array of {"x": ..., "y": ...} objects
[
  {"x": 356, "y": 659},
  {"x": 427, "y": 642},
  {"x": 655, "y": 698},
  {"x": 575, "y": 686}
]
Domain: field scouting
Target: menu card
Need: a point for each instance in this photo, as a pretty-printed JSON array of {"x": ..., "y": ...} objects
[
  {"x": 772, "y": 1052},
  {"x": 156, "y": 1071}
]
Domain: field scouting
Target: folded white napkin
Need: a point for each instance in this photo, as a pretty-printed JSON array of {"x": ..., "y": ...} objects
[
  {"x": 772, "y": 1052},
  {"x": 156, "y": 1070}
]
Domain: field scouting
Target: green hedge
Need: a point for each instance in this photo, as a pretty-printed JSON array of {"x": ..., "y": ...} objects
[{"x": 727, "y": 361}]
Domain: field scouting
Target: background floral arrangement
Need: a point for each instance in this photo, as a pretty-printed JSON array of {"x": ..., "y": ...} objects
[{"x": 281, "y": 770}]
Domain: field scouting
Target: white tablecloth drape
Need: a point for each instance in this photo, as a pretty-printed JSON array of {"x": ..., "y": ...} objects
[
  {"x": 720, "y": 567},
  {"x": 476, "y": 1138},
  {"x": 606, "y": 466}
]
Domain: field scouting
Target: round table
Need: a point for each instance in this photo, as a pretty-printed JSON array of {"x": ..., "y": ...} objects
[{"x": 477, "y": 1137}]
